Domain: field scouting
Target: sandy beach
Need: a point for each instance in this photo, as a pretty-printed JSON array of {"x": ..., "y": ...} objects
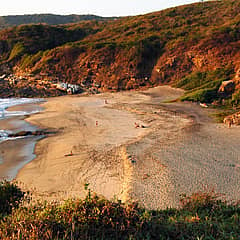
[{"x": 176, "y": 149}]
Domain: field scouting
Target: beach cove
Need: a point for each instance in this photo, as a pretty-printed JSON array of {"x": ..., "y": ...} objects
[{"x": 131, "y": 145}]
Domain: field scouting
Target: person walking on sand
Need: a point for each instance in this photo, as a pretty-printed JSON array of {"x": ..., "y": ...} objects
[
  {"x": 96, "y": 123},
  {"x": 136, "y": 125}
]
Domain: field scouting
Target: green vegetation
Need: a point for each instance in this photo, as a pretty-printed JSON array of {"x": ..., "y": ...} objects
[
  {"x": 206, "y": 95},
  {"x": 17, "y": 51},
  {"x": 203, "y": 86},
  {"x": 202, "y": 79},
  {"x": 236, "y": 98},
  {"x": 194, "y": 47},
  {"x": 202, "y": 215},
  {"x": 223, "y": 112},
  {"x": 30, "y": 60}
]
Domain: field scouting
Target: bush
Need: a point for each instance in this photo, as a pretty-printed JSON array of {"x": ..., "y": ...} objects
[
  {"x": 10, "y": 197},
  {"x": 236, "y": 98},
  {"x": 202, "y": 216},
  {"x": 201, "y": 79},
  {"x": 17, "y": 51},
  {"x": 192, "y": 81},
  {"x": 203, "y": 95},
  {"x": 207, "y": 201}
]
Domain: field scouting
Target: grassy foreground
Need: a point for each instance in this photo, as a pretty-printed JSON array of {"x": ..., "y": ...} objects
[{"x": 201, "y": 216}]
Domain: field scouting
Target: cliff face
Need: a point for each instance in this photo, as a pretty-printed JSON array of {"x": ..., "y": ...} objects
[{"x": 148, "y": 50}]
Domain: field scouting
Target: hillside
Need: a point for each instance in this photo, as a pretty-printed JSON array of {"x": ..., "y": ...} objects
[
  {"x": 51, "y": 19},
  {"x": 194, "y": 47}
]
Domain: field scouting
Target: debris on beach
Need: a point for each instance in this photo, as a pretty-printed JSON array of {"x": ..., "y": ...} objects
[
  {"x": 137, "y": 125},
  {"x": 69, "y": 154},
  {"x": 133, "y": 159},
  {"x": 203, "y": 105}
]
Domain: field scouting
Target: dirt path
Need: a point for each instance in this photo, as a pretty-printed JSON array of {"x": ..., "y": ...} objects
[{"x": 177, "y": 150}]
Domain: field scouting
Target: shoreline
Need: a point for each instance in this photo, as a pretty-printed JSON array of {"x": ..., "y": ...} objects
[
  {"x": 15, "y": 153},
  {"x": 63, "y": 194},
  {"x": 108, "y": 168},
  {"x": 177, "y": 151}
]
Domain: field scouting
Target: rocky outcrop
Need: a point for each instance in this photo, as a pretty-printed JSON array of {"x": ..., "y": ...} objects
[
  {"x": 226, "y": 88},
  {"x": 233, "y": 119},
  {"x": 31, "y": 133}
]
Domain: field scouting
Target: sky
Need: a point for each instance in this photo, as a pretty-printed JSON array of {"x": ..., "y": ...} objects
[{"x": 98, "y": 7}]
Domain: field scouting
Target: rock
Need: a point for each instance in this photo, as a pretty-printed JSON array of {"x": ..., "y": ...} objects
[
  {"x": 20, "y": 134},
  {"x": 232, "y": 119},
  {"x": 29, "y": 133},
  {"x": 226, "y": 88},
  {"x": 38, "y": 133}
]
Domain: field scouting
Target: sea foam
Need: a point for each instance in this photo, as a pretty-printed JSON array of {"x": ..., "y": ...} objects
[{"x": 10, "y": 102}]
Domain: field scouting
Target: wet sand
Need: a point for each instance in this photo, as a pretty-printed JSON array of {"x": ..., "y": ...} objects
[
  {"x": 15, "y": 153},
  {"x": 178, "y": 150}
]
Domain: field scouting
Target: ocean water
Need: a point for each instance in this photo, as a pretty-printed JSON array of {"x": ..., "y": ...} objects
[
  {"x": 5, "y": 114},
  {"x": 16, "y": 152}
]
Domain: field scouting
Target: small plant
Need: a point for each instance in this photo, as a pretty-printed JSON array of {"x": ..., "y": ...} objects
[{"x": 207, "y": 200}]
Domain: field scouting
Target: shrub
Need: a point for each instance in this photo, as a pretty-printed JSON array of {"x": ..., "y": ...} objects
[
  {"x": 192, "y": 81},
  {"x": 206, "y": 200},
  {"x": 236, "y": 98},
  {"x": 17, "y": 51},
  {"x": 201, "y": 216},
  {"x": 10, "y": 197},
  {"x": 200, "y": 79},
  {"x": 203, "y": 95}
]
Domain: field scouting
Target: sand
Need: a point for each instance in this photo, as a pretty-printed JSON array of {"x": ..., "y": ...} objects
[
  {"x": 15, "y": 153},
  {"x": 177, "y": 149}
]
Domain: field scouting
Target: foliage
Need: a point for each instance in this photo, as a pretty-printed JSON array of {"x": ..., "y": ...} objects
[
  {"x": 30, "y": 60},
  {"x": 188, "y": 46},
  {"x": 200, "y": 79},
  {"x": 236, "y": 98},
  {"x": 17, "y": 51},
  {"x": 202, "y": 216},
  {"x": 203, "y": 95},
  {"x": 224, "y": 111},
  {"x": 192, "y": 81},
  {"x": 51, "y": 19},
  {"x": 203, "y": 86},
  {"x": 10, "y": 197}
]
